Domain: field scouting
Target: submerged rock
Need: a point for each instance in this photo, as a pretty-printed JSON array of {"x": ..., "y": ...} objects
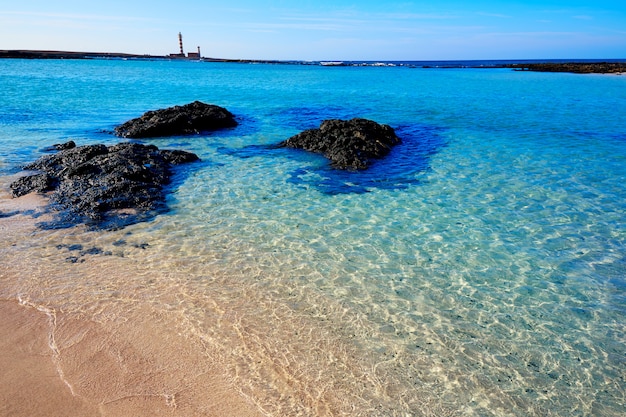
[
  {"x": 349, "y": 144},
  {"x": 61, "y": 146},
  {"x": 104, "y": 186},
  {"x": 189, "y": 119}
]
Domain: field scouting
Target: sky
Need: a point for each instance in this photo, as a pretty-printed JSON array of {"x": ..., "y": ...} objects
[{"x": 323, "y": 29}]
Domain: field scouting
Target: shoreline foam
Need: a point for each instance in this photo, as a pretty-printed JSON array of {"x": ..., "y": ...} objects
[{"x": 29, "y": 382}]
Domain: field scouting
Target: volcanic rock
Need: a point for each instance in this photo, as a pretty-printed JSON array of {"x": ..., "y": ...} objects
[
  {"x": 104, "y": 186},
  {"x": 349, "y": 144},
  {"x": 61, "y": 146},
  {"x": 574, "y": 67},
  {"x": 192, "y": 118}
]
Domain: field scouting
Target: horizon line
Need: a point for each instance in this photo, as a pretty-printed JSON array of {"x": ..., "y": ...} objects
[{"x": 45, "y": 53}]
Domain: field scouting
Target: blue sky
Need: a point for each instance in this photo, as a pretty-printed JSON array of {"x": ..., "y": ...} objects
[{"x": 323, "y": 30}]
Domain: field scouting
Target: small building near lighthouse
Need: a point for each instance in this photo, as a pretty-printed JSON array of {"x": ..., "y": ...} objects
[
  {"x": 194, "y": 55},
  {"x": 181, "y": 53}
]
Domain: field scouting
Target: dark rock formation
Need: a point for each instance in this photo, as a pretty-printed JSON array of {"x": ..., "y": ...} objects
[
  {"x": 349, "y": 144},
  {"x": 575, "y": 67},
  {"x": 189, "y": 119},
  {"x": 38, "y": 182},
  {"x": 104, "y": 186},
  {"x": 61, "y": 146}
]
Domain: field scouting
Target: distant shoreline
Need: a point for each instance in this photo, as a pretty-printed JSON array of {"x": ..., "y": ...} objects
[
  {"x": 574, "y": 67},
  {"x": 611, "y": 66},
  {"x": 36, "y": 54}
]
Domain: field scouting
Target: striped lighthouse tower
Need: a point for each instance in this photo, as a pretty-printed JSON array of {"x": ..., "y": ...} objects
[{"x": 180, "y": 43}]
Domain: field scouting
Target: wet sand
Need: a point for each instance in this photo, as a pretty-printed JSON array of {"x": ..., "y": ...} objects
[
  {"x": 30, "y": 384},
  {"x": 121, "y": 363},
  {"x": 56, "y": 364}
]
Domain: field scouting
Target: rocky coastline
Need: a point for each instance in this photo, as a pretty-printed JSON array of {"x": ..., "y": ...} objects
[
  {"x": 103, "y": 187},
  {"x": 574, "y": 67}
]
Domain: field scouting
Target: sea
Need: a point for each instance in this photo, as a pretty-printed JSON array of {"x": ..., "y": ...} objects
[{"x": 478, "y": 270}]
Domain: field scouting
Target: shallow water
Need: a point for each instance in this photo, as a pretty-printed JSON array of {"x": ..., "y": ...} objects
[{"x": 479, "y": 270}]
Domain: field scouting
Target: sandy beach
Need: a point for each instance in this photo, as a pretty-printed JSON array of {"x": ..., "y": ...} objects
[
  {"x": 56, "y": 364},
  {"x": 30, "y": 384},
  {"x": 116, "y": 363}
]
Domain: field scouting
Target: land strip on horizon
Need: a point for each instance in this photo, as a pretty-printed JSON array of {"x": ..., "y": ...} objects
[{"x": 573, "y": 66}]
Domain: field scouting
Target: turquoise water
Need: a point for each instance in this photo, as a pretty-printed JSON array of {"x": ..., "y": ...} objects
[{"x": 479, "y": 270}]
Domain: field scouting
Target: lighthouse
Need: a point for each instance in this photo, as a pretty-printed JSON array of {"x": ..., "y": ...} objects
[{"x": 181, "y": 54}]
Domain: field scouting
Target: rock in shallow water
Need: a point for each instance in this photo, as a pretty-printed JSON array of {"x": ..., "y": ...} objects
[
  {"x": 189, "y": 119},
  {"x": 349, "y": 144},
  {"x": 99, "y": 185}
]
